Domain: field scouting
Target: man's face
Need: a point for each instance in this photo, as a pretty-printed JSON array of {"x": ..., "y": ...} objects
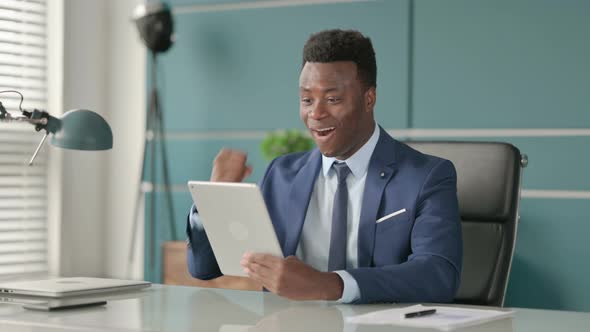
[{"x": 336, "y": 107}]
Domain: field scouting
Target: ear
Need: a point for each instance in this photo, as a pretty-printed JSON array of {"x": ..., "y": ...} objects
[{"x": 370, "y": 98}]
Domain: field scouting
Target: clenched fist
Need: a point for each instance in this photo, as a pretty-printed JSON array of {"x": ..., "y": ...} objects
[{"x": 230, "y": 166}]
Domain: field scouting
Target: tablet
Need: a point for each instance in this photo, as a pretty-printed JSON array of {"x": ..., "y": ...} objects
[{"x": 236, "y": 221}]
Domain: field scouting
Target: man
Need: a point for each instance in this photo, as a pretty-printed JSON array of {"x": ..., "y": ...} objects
[{"x": 362, "y": 218}]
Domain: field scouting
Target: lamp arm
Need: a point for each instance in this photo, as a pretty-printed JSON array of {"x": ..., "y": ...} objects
[
  {"x": 3, "y": 113},
  {"x": 40, "y": 119},
  {"x": 38, "y": 149}
]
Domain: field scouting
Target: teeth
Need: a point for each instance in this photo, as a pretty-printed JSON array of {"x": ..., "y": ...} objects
[{"x": 325, "y": 129}]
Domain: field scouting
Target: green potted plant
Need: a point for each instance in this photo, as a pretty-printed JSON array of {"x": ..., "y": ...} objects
[{"x": 282, "y": 142}]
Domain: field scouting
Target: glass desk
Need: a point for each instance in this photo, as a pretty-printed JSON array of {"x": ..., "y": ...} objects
[{"x": 176, "y": 308}]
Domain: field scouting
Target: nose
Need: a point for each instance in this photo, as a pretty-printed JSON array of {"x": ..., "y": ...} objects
[{"x": 317, "y": 111}]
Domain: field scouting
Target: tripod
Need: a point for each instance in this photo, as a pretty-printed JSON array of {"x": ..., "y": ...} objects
[{"x": 154, "y": 132}]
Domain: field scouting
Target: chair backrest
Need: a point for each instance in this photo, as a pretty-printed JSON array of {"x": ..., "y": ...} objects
[{"x": 488, "y": 189}]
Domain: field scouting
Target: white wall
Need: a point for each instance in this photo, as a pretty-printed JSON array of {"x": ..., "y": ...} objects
[
  {"x": 126, "y": 103},
  {"x": 104, "y": 70},
  {"x": 83, "y": 213}
]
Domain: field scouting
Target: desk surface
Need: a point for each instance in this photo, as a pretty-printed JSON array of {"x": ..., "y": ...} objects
[{"x": 175, "y": 308}]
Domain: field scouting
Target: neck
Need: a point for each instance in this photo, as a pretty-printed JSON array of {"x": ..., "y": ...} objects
[{"x": 365, "y": 137}]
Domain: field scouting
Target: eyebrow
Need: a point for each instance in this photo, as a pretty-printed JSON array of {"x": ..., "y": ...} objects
[{"x": 323, "y": 90}]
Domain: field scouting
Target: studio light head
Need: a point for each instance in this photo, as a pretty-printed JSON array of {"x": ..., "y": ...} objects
[{"x": 154, "y": 22}]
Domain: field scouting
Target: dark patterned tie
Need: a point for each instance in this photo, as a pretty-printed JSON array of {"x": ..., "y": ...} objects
[{"x": 338, "y": 236}]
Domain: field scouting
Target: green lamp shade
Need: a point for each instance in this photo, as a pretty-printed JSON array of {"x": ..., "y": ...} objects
[{"x": 82, "y": 130}]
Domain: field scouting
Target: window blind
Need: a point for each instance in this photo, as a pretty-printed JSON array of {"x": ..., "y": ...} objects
[{"x": 23, "y": 189}]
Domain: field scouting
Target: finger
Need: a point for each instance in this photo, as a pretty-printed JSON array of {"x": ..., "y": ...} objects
[
  {"x": 292, "y": 258},
  {"x": 237, "y": 161},
  {"x": 247, "y": 172},
  {"x": 261, "y": 278},
  {"x": 267, "y": 260},
  {"x": 224, "y": 153},
  {"x": 261, "y": 272},
  {"x": 253, "y": 276},
  {"x": 260, "y": 258},
  {"x": 244, "y": 262},
  {"x": 238, "y": 156},
  {"x": 221, "y": 152}
]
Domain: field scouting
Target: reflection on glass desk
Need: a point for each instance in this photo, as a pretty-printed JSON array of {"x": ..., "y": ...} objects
[{"x": 175, "y": 308}]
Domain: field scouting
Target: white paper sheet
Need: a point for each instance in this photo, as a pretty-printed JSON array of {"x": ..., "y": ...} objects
[{"x": 446, "y": 318}]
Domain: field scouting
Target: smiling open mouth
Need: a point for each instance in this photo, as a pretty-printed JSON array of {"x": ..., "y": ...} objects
[{"x": 324, "y": 131}]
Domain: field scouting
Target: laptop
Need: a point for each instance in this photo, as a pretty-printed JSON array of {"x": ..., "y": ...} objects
[
  {"x": 236, "y": 220},
  {"x": 65, "y": 287}
]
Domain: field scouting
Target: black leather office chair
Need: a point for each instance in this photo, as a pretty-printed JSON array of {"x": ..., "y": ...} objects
[{"x": 488, "y": 185}]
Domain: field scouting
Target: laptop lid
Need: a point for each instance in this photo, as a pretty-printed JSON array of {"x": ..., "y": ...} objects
[
  {"x": 236, "y": 220},
  {"x": 64, "y": 287}
]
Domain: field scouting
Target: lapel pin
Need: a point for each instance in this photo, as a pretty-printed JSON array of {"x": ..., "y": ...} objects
[{"x": 382, "y": 174}]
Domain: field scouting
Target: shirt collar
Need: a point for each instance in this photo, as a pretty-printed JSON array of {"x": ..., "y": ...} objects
[{"x": 359, "y": 161}]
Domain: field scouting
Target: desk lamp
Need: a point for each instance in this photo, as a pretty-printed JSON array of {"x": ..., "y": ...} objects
[{"x": 76, "y": 129}]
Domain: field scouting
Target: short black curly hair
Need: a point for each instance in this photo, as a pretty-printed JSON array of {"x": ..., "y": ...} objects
[{"x": 343, "y": 45}]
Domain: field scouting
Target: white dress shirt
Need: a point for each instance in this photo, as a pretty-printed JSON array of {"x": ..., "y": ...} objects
[{"x": 314, "y": 243}]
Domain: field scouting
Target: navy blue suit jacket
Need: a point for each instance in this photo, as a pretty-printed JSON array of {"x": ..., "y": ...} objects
[{"x": 415, "y": 256}]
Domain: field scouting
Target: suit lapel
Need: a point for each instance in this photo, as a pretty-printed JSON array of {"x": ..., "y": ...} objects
[
  {"x": 299, "y": 197},
  {"x": 381, "y": 169}
]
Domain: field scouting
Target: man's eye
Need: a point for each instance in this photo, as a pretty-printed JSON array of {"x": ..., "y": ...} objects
[
  {"x": 306, "y": 100},
  {"x": 333, "y": 100}
]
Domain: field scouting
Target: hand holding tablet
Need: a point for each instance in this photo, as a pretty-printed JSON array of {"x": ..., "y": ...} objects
[{"x": 236, "y": 221}]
